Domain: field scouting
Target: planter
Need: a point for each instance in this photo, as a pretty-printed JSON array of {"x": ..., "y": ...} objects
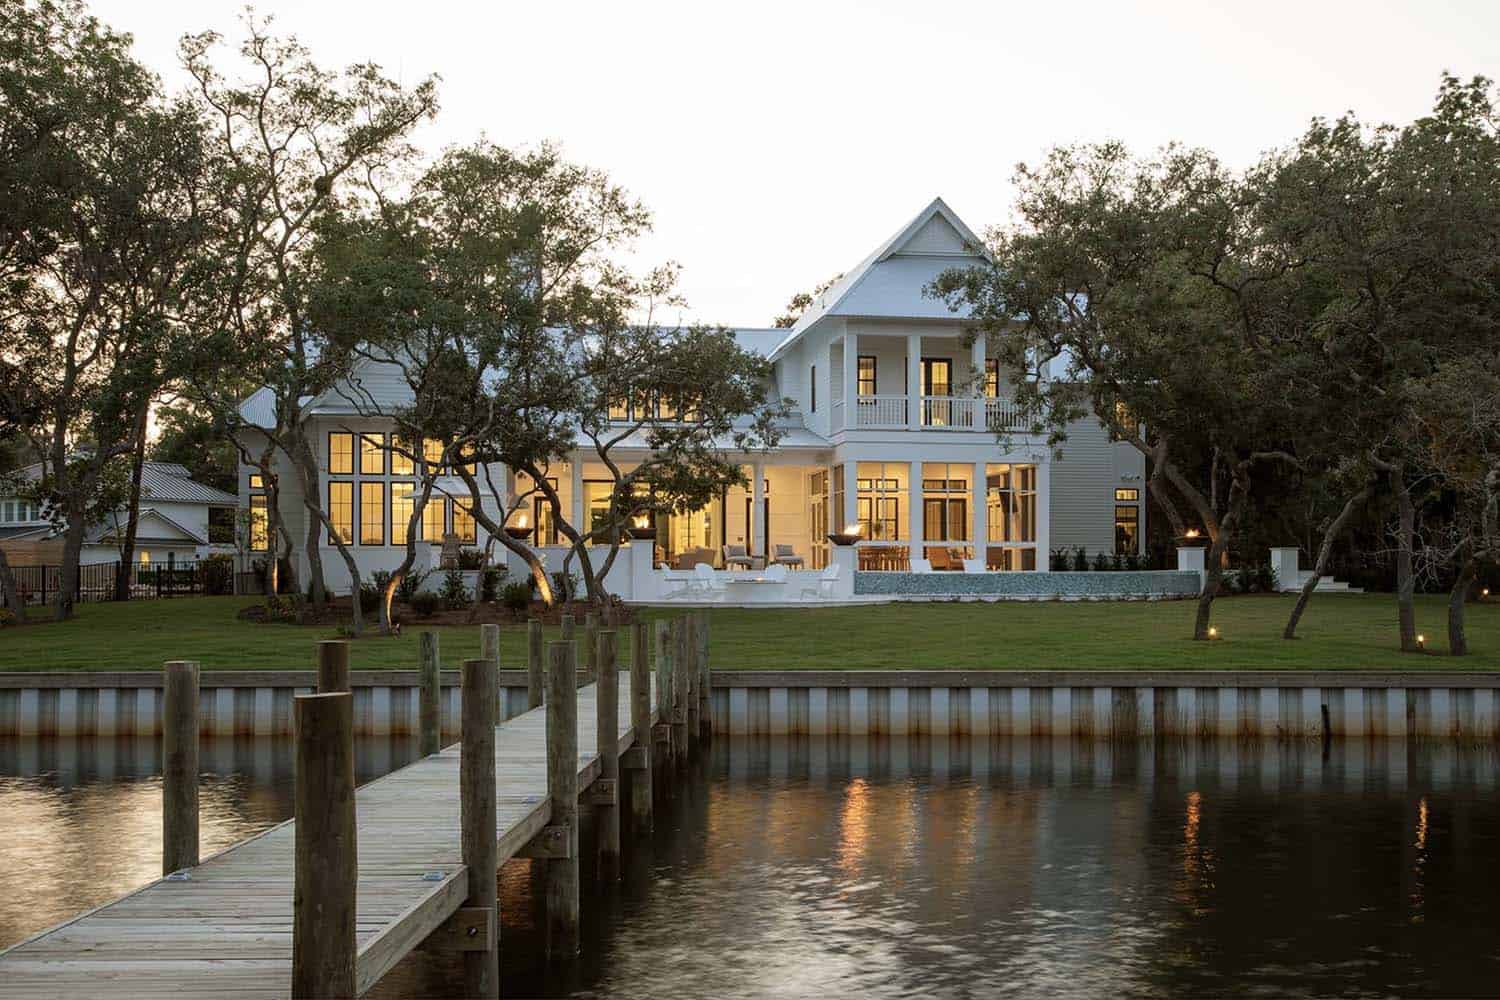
[
  {"x": 642, "y": 534},
  {"x": 844, "y": 538},
  {"x": 517, "y": 532}
]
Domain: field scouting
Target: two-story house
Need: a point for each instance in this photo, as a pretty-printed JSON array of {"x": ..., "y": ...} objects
[{"x": 895, "y": 432}]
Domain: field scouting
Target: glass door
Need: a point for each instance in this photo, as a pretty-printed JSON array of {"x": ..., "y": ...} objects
[{"x": 937, "y": 381}]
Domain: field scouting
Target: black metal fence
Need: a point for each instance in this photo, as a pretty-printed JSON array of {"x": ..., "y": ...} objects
[{"x": 97, "y": 581}]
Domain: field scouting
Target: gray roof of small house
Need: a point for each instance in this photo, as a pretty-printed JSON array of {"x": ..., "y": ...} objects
[{"x": 166, "y": 482}]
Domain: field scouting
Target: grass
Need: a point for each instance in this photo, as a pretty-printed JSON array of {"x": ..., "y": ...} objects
[{"x": 1339, "y": 632}]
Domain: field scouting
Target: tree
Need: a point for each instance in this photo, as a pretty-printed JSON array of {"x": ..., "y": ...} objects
[
  {"x": 293, "y": 141},
  {"x": 189, "y": 437},
  {"x": 99, "y": 246},
  {"x": 797, "y": 304}
]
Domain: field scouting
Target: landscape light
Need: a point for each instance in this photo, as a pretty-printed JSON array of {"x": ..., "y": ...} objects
[
  {"x": 1421, "y": 640},
  {"x": 1213, "y": 633}
]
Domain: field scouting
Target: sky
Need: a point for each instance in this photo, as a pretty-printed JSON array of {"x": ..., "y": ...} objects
[{"x": 778, "y": 143}]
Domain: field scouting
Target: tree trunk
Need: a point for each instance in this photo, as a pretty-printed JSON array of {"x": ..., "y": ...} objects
[
  {"x": 1458, "y": 640},
  {"x": 307, "y": 473},
  {"x": 67, "y": 573},
  {"x": 1218, "y": 552},
  {"x": 127, "y": 548},
  {"x": 11, "y": 593},
  {"x": 388, "y": 596},
  {"x": 1325, "y": 551},
  {"x": 1405, "y": 580}
]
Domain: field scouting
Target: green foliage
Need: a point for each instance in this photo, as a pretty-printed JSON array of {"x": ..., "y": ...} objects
[
  {"x": 1057, "y": 560},
  {"x": 455, "y": 594},
  {"x": 1080, "y": 560},
  {"x": 285, "y": 609},
  {"x": 1101, "y": 562},
  {"x": 369, "y": 598},
  {"x": 517, "y": 596},
  {"x": 411, "y": 584},
  {"x": 470, "y": 559},
  {"x": 564, "y": 586},
  {"x": 218, "y": 574},
  {"x": 425, "y": 603},
  {"x": 189, "y": 437},
  {"x": 490, "y": 579},
  {"x": 7, "y": 617}
]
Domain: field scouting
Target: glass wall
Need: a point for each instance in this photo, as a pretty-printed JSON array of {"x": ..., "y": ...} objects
[
  {"x": 946, "y": 498},
  {"x": 1010, "y": 508},
  {"x": 882, "y": 491},
  {"x": 817, "y": 515}
]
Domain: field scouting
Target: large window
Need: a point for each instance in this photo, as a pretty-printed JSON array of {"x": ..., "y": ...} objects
[
  {"x": 1127, "y": 521},
  {"x": 401, "y": 458},
  {"x": 372, "y": 454},
  {"x": 880, "y": 500},
  {"x": 372, "y": 513},
  {"x": 817, "y": 502},
  {"x": 434, "y": 522},
  {"x": 432, "y": 453},
  {"x": 402, "y": 503},
  {"x": 866, "y": 380},
  {"x": 1010, "y": 511},
  {"x": 341, "y": 453},
  {"x": 19, "y": 511},
  {"x": 991, "y": 378},
  {"x": 259, "y": 524},
  {"x": 463, "y": 523},
  {"x": 945, "y": 513},
  {"x": 341, "y": 509}
]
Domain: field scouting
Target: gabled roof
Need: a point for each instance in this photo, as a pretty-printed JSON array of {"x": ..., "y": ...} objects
[
  {"x": 152, "y": 527},
  {"x": 889, "y": 281},
  {"x": 167, "y": 482}
]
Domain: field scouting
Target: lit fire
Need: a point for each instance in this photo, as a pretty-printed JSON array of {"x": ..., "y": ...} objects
[{"x": 1191, "y": 533}]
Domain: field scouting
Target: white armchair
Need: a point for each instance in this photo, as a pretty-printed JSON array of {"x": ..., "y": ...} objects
[
  {"x": 975, "y": 566},
  {"x": 920, "y": 565},
  {"x": 821, "y": 586}
]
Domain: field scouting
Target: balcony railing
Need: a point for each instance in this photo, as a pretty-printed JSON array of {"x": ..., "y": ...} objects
[
  {"x": 881, "y": 411},
  {"x": 952, "y": 413}
]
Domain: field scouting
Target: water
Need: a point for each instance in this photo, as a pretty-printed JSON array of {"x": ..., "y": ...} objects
[{"x": 899, "y": 868}]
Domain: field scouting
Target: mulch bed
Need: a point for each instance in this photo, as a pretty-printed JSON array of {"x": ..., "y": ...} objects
[{"x": 337, "y": 612}]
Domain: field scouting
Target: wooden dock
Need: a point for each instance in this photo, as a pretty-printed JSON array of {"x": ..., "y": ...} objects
[{"x": 226, "y": 930}]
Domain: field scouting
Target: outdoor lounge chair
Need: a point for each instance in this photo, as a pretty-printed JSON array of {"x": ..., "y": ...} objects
[
  {"x": 974, "y": 566},
  {"x": 735, "y": 557},
  {"x": 786, "y": 557},
  {"x": 707, "y": 579},
  {"x": 821, "y": 586}
]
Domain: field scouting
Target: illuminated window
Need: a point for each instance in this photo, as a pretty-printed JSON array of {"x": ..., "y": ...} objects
[
  {"x": 341, "y": 509},
  {"x": 340, "y": 453},
  {"x": 372, "y": 454},
  {"x": 434, "y": 524},
  {"x": 257, "y": 481},
  {"x": 1127, "y": 495},
  {"x": 865, "y": 381},
  {"x": 945, "y": 513},
  {"x": 880, "y": 500},
  {"x": 432, "y": 453},
  {"x": 372, "y": 513},
  {"x": 401, "y": 458},
  {"x": 619, "y": 407},
  {"x": 991, "y": 378},
  {"x": 401, "y": 505},
  {"x": 1010, "y": 516},
  {"x": 463, "y": 524},
  {"x": 1127, "y": 524},
  {"x": 259, "y": 525},
  {"x": 1126, "y": 423}
]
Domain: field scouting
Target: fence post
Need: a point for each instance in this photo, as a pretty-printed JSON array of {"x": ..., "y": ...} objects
[
  {"x": 640, "y": 722},
  {"x": 607, "y": 805},
  {"x": 562, "y": 789},
  {"x": 533, "y": 664},
  {"x": 489, "y": 643},
  {"x": 430, "y": 695},
  {"x": 179, "y": 771},
  {"x": 476, "y": 778},
  {"x": 333, "y": 666},
  {"x": 590, "y": 647},
  {"x": 326, "y": 866}
]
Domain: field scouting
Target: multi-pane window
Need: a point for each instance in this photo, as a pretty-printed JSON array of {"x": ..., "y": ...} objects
[
  {"x": 257, "y": 481},
  {"x": 432, "y": 453},
  {"x": 434, "y": 523},
  {"x": 341, "y": 509},
  {"x": 1010, "y": 511},
  {"x": 372, "y": 454},
  {"x": 865, "y": 381},
  {"x": 463, "y": 523},
  {"x": 341, "y": 453},
  {"x": 1127, "y": 521},
  {"x": 372, "y": 513},
  {"x": 401, "y": 458},
  {"x": 945, "y": 512},
  {"x": 880, "y": 491},
  {"x": 260, "y": 538},
  {"x": 401, "y": 506},
  {"x": 991, "y": 378},
  {"x": 19, "y": 511}
]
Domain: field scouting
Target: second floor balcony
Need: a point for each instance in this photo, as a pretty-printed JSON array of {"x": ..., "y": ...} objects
[{"x": 936, "y": 413}]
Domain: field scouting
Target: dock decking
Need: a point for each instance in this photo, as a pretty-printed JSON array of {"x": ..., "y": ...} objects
[{"x": 226, "y": 931}]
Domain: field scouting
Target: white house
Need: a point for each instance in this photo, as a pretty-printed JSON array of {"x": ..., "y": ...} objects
[{"x": 888, "y": 435}]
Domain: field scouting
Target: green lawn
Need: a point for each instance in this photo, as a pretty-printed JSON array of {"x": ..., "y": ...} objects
[{"x": 1340, "y": 632}]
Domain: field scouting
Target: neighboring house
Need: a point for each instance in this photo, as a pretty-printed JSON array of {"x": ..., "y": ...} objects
[
  {"x": 180, "y": 521},
  {"x": 894, "y": 431}
]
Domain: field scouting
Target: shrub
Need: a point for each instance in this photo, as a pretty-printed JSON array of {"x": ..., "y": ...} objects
[
  {"x": 1119, "y": 562},
  {"x": 1101, "y": 563},
  {"x": 287, "y": 608},
  {"x": 369, "y": 598},
  {"x": 517, "y": 596},
  {"x": 1265, "y": 578},
  {"x": 1058, "y": 560},
  {"x": 470, "y": 559},
  {"x": 1132, "y": 562},
  {"x": 455, "y": 595},
  {"x": 564, "y": 586},
  {"x": 7, "y": 617},
  {"x": 411, "y": 583},
  {"x": 380, "y": 579},
  {"x": 490, "y": 579},
  {"x": 425, "y": 603},
  {"x": 218, "y": 574},
  {"x": 1080, "y": 560}
]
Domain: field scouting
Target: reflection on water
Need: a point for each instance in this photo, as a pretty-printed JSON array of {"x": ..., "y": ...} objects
[{"x": 956, "y": 868}]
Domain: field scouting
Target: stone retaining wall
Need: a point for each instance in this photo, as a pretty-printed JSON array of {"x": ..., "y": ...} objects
[{"x": 1143, "y": 584}]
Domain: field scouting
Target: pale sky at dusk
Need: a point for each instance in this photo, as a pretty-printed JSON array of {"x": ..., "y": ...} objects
[{"x": 777, "y": 143}]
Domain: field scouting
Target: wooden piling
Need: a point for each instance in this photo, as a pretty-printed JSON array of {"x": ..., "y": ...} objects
[
  {"x": 562, "y": 790},
  {"x": 590, "y": 647},
  {"x": 430, "y": 695},
  {"x": 705, "y": 682},
  {"x": 665, "y": 647},
  {"x": 476, "y": 797},
  {"x": 333, "y": 666},
  {"x": 326, "y": 865},
  {"x": 607, "y": 804},
  {"x": 534, "y": 673},
  {"x": 681, "y": 632},
  {"x": 691, "y": 675},
  {"x": 179, "y": 771},
  {"x": 489, "y": 643},
  {"x": 640, "y": 720}
]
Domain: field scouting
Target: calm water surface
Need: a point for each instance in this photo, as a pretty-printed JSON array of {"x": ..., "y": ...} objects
[{"x": 900, "y": 868}]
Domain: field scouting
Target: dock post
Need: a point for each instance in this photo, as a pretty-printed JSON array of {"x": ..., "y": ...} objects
[
  {"x": 489, "y": 643},
  {"x": 333, "y": 666},
  {"x": 680, "y": 671},
  {"x": 607, "y": 804},
  {"x": 476, "y": 798},
  {"x": 562, "y": 790},
  {"x": 533, "y": 664},
  {"x": 705, "y": 681},
  {"x": 179, "y": 769},
  {"x": 430, "y": 695},
  {"x": 326, "y": 865},
  {"x": 692, "y": 674},
  {"x": 664, "y": 689},
  {"x": 640, "y": 721},
  {"x": 590, "y": 647}
]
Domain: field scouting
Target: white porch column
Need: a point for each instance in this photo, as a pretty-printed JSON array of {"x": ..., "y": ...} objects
[
  {"x": 643, "y": 579},
  {"x": 1044, "y": 514},
  {"x": 756, "y": 544},
  {"x": 981, "y": 514},
  {"x": 575, "y": 483},
  {"x": 914, "y": 499},
  {"x": 914, "y": 381},
  {"x": 976, "y": 359},
  {"x": 851, "y": 375},
  {"x": 850, "y": 514}
]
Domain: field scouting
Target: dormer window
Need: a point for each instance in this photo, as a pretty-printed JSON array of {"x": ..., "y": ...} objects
[{"x": 17, "y": 511}]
